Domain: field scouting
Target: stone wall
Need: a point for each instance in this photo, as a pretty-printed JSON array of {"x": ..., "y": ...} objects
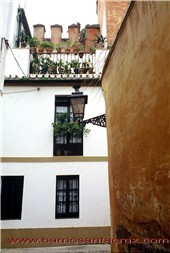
[{"x": 136, "y": 83}]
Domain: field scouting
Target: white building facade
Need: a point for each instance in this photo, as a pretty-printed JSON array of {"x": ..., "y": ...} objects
[
  {"x": 58, "y": 196},
  {"x": 10, "y": 22}
]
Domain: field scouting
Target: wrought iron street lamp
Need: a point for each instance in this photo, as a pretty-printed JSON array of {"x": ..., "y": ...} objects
[{"x": 78, "y": 102}]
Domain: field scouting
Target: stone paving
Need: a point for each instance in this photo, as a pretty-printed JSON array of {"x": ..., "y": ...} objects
[{"x": 100, "y": 248}]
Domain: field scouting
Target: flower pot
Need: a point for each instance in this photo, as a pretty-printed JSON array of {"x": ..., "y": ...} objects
[
  {"x": 61, "y": 70},
  {"x": 58, "y": 50},
  {"x": 40, "y": 50},
  {"x": 76, "y": 71},
  {"x": 91, "y": 71},
  {"x": 67, "y": 50},
  {"x": 23, "y": 44},
  {"x": 49, "y": 50},
  {"x": 85, "y": 70},
  {"x": 69, "y": 71},
  {"x": 81, "y": 71},
  {"x": 81, "y": 53},
  {"x": 32, "y": 50},
  {"x": 75, "y": 51}
]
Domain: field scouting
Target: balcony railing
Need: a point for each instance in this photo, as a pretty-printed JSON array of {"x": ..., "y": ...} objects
[
  {"x": 20, "y": 63},
  {"x": 62, "y": 64}
]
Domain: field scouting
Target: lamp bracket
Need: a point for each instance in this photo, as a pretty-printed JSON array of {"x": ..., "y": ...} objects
[{"x": 98, "y": 120}]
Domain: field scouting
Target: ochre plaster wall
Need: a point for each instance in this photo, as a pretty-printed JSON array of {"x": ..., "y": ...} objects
[
  {"x": 136, "y": 83},
  {"x": 53, "y": 237}
]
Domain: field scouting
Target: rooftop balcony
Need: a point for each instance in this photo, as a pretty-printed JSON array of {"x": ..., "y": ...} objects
[{"x": 23, "y": 64}]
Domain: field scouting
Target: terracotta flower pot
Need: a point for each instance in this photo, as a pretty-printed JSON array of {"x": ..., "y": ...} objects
[
  {"x": 81, "y": 53},
  {"x": 67, "y": 50},
  {"x": 91, "y": 71},
  {"x": 40, "y": 50},
  {"x": 32, "y": 50},
  {"x": 75, "y": 51},
  {"x": 49, "y": 50},
  {"x": 58, "y": 50}
]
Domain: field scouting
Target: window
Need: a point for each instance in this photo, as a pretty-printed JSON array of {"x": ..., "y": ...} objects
[
  {"x": 67, "y": 197},
  {"x": 11, "y": 197},
  {"x": 66, "y": 144}
]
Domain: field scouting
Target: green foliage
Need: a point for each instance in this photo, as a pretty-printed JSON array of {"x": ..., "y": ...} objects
[
  {"x": 35, "y": 65},
  {"x": 33, "y": 42},
  {"x": 68, "y": 43},
  {"x": 67, "y": 66},
  {"x": 58, "y": 45},
  {"x": 64, "y": 126},
  {"x": 92, "y": 50},
  {"x": 46, "y": 44},
  {"x": 60, "y": 64},
  {"x": 75, "y": 44},
  {"x": 86, "y": 64},
  {"x": 23, "y": 37},
  {"x": 80, "y": 47},
  {"x": 75, "y": 64}
]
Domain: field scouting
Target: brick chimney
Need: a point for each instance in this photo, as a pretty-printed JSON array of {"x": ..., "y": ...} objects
[
  {"x": 91, "y": 33},
  {"x": 56, "y": 33},
  {"x": 39, "y": 31},
  {"x": 73, "y": 31}
]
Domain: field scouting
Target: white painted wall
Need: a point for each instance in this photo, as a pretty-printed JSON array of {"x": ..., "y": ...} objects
[
  {"x": 40, "y": 189},
  {"x": 18, "y": 62},
  {"x": 8, "y": 31},
  {"x": 27, "y": 118}
]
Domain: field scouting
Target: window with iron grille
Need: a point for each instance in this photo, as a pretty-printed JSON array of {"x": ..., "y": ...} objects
[
  {"x": 11, "y": 197},
  {"x": 66, "y": 144},
  {"x": 67, "y": 197}
]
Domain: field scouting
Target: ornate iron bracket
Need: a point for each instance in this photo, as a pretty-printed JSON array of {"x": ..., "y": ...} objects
[{"x": 98, "y": 120}]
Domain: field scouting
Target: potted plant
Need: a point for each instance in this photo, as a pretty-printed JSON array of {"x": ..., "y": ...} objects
[
  {"x": 85, "y": 66},
  {"x": 35, "y": 65},
  {"x": 75, "y": 46},
  {"x": 91, "y": 70},
  {"x": 92, "y": 50},
  {"x": 75, "y": 65},
  {"x": 33, "y": 43},
  {"x": 40, "y": 49},
  {"x": 67, "y": 67},
  {"x": 50, "y": 66},
  {"x": 68, "y": 45},
  {"x": 80, "y": 49},
  {"x": 59, "y": 47},
  {"x": 44, "y": 66},
  {"x": 48, "y": 46},
  {"x": 23, "y": 38},
  {"x": 60, "y": 65}
]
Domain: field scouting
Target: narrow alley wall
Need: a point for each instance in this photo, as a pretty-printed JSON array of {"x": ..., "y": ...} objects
[{"x": 136, "y": 83}]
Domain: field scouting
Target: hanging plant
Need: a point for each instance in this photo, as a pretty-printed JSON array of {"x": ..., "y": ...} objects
[{"x": 63, "y": 126}]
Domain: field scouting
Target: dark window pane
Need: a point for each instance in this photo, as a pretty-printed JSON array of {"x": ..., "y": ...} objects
[
  {"x": 11, "y": 199},
  {"x": 67, "y": 197}
]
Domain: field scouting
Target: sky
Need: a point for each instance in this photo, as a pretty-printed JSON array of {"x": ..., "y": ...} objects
[{"x": 62, "y": 12}]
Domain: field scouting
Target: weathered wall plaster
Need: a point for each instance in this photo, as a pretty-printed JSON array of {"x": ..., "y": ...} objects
[{"x": 136, "y": 84}]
